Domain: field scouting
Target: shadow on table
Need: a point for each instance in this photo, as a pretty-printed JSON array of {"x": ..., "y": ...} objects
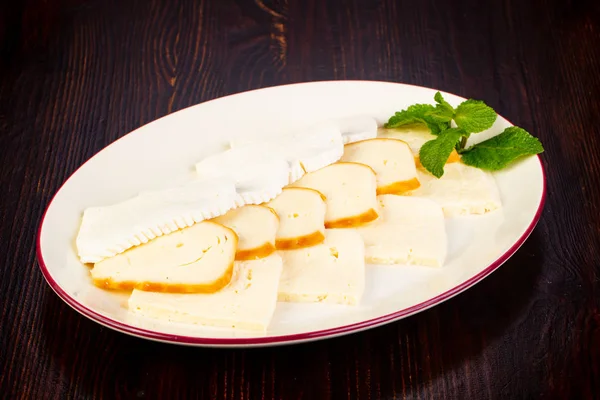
[{"x": 406, "y": 358}]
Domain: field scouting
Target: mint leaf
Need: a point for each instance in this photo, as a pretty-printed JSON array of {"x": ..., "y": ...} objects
[
  {"x": 474, "y": 116},
  {"x": 417, "y": 114},
  {"x": 443, "y": 107},
  {"x": 499, "y": 151},
  {"x": 436, "y": 127},
  {"x": 413, "y": 114},
  {"x": 434, "y": 153}
]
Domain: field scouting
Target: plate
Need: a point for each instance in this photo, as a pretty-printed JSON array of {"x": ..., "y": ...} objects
[{"x": 162, "y": 153}]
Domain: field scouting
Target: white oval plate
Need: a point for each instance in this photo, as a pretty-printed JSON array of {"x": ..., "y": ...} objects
[{"x": 163, "y": 153}]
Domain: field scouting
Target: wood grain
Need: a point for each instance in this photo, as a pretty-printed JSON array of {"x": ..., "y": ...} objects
[{"x": 75, "y": 75}]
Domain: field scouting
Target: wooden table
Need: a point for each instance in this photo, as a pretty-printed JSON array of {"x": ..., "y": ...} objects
[{"x": 75, "y": 75}]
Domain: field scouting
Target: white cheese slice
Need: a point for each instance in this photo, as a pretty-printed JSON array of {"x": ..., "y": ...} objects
[
  {"x": 332, "y": 272},
  {"x": 392, "y": 161},
  {"x": 110, "y": 230},
  {"x": 258, "y": 173},
  {"x": 462, "y": 190},
  {"x": 248, "y": 302},
  {"x": 256, "y": 227},
  {"x": 357, "y": 128},
  {"x": 305, "y": 151},
  {"x": 301, "y": 214},
  {"x": 409, "y": 231},
  {"x": 198, "y": 259},
  {"x": 350, "y": 191}
]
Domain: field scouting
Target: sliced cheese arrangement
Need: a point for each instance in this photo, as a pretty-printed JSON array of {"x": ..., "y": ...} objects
[{"x": 289, "y": 218}]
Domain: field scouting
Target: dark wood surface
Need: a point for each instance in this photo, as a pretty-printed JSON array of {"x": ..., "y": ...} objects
[{"x": 75, "y": 75}]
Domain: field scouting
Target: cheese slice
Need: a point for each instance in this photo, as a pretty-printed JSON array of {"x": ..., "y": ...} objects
[
  {"x": 409, "y": 231},
  {"x": 462, "y": 190},
  {"x": 110, "y": 230},
  {"x": 259, "y": 174},
  {"x": 256, "y": 227},
  {"x": 301, "y": 214},
  {"x": 357, "y": 128},
  {"x": 415, "y": 136},
  {"x": 332, "y": 272},
  {"x": 198, "y": 259},
  {"x": 350, "y": 192},
  {"x": 247, "y": 302},
  {"x": 392, "y": 161},
  {"x": 305, "y": 151}
]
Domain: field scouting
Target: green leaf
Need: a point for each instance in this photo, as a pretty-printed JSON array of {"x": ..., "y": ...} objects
[
  {"x": 413, "y": 114},
  {"x": 434, "y": 153},
  {"x": 443, "y": 107},
  {"x": 436, "y": 127},
  {"x": 474, "y": 116},
  {"x": 499, "y": 151},
  {"x": 439, "y": 116},
  {"x": 417, "y": 114}
]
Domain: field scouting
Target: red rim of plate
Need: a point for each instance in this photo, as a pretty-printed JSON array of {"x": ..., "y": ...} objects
[{"x": 291, "y": 338}]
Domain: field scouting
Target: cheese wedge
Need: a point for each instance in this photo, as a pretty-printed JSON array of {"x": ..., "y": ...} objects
[
  {"x": 110, "y": 230},
  {"x": 258, "y": 175},
  {"x": 462, "y": 190},
  {"x": 409, "y": 231},
  {"x": 350, "y": 192},
  {"x": 301, "y": 214},
  {"x": 357, "y": 128},
  {"x": 392, "y": 161},
  {"x": 415, "y": 137},
  {"x": 305, "y": 151},
  {"x": 332, "y": 272},
  {"x": 256, "y": 227},
  {"x": 247, "y": 303},
  {"x": 198, "y": 259}
]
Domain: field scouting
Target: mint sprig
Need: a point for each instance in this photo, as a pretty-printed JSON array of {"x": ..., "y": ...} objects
[
  {"x": 434, "y": 153},
  {"x": 471, "y": 116},
  {"x": 474, "y": 116},
  {"x": 418, "y": 114},
  {"x": 499, "y": 151}
]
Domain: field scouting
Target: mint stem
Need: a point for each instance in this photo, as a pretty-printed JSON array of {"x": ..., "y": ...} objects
[{"x": 463, "y": 143}]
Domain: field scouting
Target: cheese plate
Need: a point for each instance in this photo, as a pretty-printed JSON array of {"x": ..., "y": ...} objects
[{"x": 166, "y": 153}]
